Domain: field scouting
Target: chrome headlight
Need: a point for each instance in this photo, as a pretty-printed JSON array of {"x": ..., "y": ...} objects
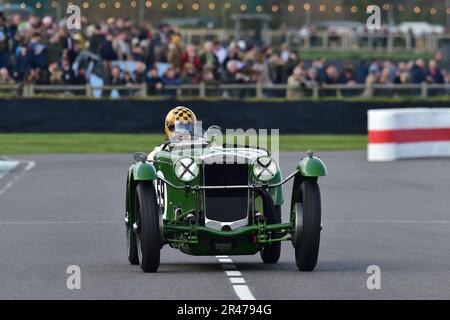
[
  {"x": 264, "y": 169},
  {"x": 186, "y": 169}
]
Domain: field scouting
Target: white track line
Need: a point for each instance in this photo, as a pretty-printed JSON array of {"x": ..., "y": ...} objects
[
  {"x": 236, "y": 278},
  {"x": 233, "y": 273},
  {"x": 243, "y": 292},
  {"x": 7, "y": 166},
  {"x": 30, "y": 165}
]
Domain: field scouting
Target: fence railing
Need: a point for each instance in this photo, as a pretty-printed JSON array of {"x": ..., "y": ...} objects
[
  {"x": 241, "y": 91},
  {"x": 32, "y": 90},
  {"x": 323, "y": 40}
]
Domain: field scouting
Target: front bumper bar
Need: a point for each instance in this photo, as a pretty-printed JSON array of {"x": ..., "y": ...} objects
[{"x": 248, "y": 230}]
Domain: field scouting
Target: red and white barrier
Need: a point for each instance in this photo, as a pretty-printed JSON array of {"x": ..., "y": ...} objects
[{"x": 408, "y": 133}]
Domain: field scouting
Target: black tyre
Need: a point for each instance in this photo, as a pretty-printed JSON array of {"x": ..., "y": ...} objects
[
  {"x": 132, "y": 250},
  {"x": 307, "y": 226},
  {"x": 148, "y": 228},
  {"x": 270, "y": 254}
]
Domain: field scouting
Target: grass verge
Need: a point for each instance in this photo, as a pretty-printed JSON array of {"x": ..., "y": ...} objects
[{"x": 13, "y": 144}]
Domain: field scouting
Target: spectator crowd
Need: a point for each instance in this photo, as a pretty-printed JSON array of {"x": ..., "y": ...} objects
[{"x": 42, "y": 51}]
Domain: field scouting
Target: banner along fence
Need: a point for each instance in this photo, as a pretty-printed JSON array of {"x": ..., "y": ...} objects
[{"x": 142, "y": 116}]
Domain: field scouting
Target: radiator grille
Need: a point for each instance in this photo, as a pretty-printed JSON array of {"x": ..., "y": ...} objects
[{"x": 226, "y": 205}]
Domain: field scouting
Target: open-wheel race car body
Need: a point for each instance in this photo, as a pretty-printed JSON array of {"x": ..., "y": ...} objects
[{"x": 220, "y": 200}]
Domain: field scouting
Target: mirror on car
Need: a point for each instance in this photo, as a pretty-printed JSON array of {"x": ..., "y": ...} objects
[{"x": 140, "y": 157}]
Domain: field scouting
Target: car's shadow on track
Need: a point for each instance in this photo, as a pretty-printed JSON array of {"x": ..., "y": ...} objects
[
  {"x": 256, "y": 267},
  {"x": 322, "y": 266},
  {"x": 166, "y": 268},
  {"x": 330, "y": 266},
  {"x": 288, "y": 267}
]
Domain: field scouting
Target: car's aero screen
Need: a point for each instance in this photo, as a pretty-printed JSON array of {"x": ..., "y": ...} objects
[{"x": 226, "y": 205}]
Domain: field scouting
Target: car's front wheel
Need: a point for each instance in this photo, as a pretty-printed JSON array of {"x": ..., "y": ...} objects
[
  {"x": 132, "y": 250},
  {"x": 307, "y": 215},
  {"x": 270, "y": 254},
  {"x": 147, "y": 227}
]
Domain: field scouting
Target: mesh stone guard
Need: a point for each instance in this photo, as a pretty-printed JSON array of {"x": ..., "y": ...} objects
[{"x": 252, "y": 186}]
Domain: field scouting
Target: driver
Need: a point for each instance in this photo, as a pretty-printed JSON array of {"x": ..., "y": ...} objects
[{"x": 180, "y": 125}]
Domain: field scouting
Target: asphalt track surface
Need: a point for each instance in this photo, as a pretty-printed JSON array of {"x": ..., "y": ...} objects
[{"x": 68, "y": 210}]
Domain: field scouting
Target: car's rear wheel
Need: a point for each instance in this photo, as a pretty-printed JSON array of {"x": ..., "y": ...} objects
[
  {"x": 148, "y": 228},
  {"x": 307, "y": 214},
  {"x": 270, "y": 253}
]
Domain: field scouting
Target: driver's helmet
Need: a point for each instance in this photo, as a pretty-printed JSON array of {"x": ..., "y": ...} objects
[{"x": 180, "y": 121}]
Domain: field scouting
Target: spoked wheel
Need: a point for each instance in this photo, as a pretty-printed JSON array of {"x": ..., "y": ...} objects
[
  {"x": 132, "y": 251},
  {"x": 147, "y": 227},
  {"x": 307, "y": 215},
  {"x": 270, "y": 254}
]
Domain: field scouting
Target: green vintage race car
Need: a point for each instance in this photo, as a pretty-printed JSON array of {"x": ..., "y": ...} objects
[{"x": 220, "y": 200}]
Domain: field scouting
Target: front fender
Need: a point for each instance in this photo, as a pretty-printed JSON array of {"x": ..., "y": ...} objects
[
  {"x": 143, "y": 171},
  {"x": 137, "y": 172},
  {"x": 308, "y": 168},
  {"x": 312, "y": 167}
]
